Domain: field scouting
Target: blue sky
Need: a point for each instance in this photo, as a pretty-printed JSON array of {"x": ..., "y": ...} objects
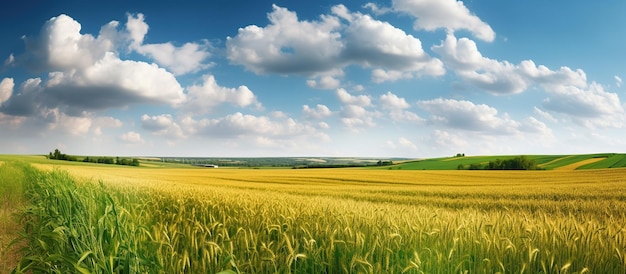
[{"x": 400, "y": 78}]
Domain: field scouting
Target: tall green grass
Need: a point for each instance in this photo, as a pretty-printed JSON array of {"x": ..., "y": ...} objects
[
  {"x": 12, "y": 180},
  {"x": 80, "y": 228}
]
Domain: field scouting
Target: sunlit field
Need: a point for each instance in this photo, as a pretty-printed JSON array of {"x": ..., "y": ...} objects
[{"x": 110, "y": 219}]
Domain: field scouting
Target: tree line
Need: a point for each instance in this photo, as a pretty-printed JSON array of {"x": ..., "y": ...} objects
[
  {"x": 517, "y": 163},
  {"x": 57, "y": 155}
]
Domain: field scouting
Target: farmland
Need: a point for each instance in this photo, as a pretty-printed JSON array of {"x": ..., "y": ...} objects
[{"x": 172, "y": 219}]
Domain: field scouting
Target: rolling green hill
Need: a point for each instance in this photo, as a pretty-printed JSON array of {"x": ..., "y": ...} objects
[{"x": 583, "y": 161}]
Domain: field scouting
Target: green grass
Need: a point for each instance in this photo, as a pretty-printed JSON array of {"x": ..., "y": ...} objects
[
  {"x": 544, "y": 161},
  {"x": 612, "y": 161},
  {"x": 12, "y": 201}
]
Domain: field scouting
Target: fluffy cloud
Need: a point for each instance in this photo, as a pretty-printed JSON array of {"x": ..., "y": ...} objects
[
  {"x": 618, "y": 81},
  {"x": 61, "y": 46},
  {"x": 189, "y": 57},
  {"x": 391, "y": 101},
  {"x": 203, "y": 98},
  {"x": 319, "y": 112},
  {"x": 447, "y": 14},
  {"x": 591, "y": 106},
  {"x": 373, "y": 43},
  {"x": 324, "y": 82},
  {"x": 162, "y": 125},
  {"x": 6, "y": 89},
  {"x": 86, "y": 73},
  {"x": 469, "y": 116},
  {"x": 259, "y": 130},
  {"x": 358, "y": 100},
  {"x": 324, "y": 47},
  {"x": 396, "y": 107},
  {"x": 287, "y": 45},
  {"x": 112, "y": 82},
  {"x": 132, "y": 137},
  {"x": 501, "y": 77}
]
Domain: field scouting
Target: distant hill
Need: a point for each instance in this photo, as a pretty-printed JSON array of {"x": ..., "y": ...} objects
[{"x": 549, "y": 162}]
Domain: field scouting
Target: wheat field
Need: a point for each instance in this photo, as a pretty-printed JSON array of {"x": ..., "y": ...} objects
[{"x": 100, "y": 219}]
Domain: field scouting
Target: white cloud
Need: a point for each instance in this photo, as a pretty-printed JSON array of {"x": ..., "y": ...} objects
[
  {"x": 325, "y": 46},
  {"x": 502, "y": 77},
  {"x": 203, "y": 98},
  {"x": 86, "y": 72},
  {"x": 104, "y": 122},
  {"x": 6, "y": 89},
  {"x": 137, "y": 29},
  {"x": 287, "y": 45},
  {"x": 112, "y": 82},
  {"x": 545, "y": 115},
  {"x": 402, "y": 144},
  {"x": 391, "y": 101},
  {"x": 590, "y": 107},
  {"x": 187, "y": 58},
  {"x": 319, "y": 112},
  {"x": 162, "y": 125},
  {"x": 447, "y": 14},
  {"x": 132, "y": 137},
  {"x": 469, "y": 116},
  {"x": 10, "y": 60},
  {"x": 358, "y": 100},
  {"x": 377, "y": 44},
  {"x": 355, "y": 117},
  {"x": 324, "y": 82},
  {"x": 493, "y": 76},
  {"x": 618, "y": 81},
  {"x": 396, "y": 107},
  {"x": 445, "y": 138},
  {"x": 61, "y": 46}
]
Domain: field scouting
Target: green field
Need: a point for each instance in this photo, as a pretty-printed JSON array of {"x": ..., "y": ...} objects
[
  {"x": 609, "y": 160},
  {"x": 94, "y": 218}
]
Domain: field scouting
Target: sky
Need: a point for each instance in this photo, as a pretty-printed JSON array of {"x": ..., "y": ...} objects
[{"x": 398, "y": 78}]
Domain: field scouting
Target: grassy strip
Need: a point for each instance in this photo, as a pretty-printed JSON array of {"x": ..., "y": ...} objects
[
  {"x": 80, "y": 228},
  {"x": 12, "y": 200}
]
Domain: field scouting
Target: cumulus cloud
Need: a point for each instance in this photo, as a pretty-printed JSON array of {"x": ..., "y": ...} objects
[
  {"x": 203, "y": 98},
  {"x": 61, "y": 46},
  {"x": 287, "y": 45},
  {"x": 86, "y": 73},
  {"x": 324, "y": 82},
  {"x": 6, "y": 89},
  {"x": 189, "y": 57},
  {"x": 162, "y": 125},
  {"x": 325, "y": 46},
  {"x": 319, "y": 112},
  {"x": 112, "y": 82},
  {"x": 391, "y": 101},
  {"x": 618, "y": 81},
  {"x": 132, "y": 137},
  {"x": 469, "y": 116},
  {"x": 501, "y": 77},
  {"x": 396, "y": 107},
  {"x": 260, "y": 130},
  {"x": 444, "y": 14},
  {"x": 493, "y": 76},
  {"x": 445, "y": 138},
  {"x": 591, "y": 106},
  {"x": 358, "y": 100}
]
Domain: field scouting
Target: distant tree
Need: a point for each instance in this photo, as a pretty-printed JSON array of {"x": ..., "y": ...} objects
[{"x": 460, "y": 167}]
